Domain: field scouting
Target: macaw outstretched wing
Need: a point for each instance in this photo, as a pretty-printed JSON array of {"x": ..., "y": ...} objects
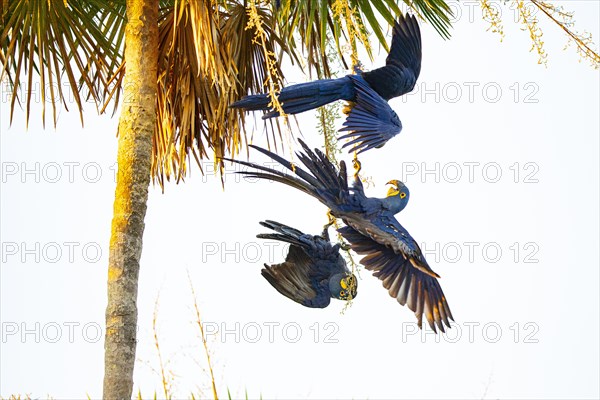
[
  {"x": 403, "y": 63},
  {"x": 387, "y": 231},
  {"x": 410, "y": 286},
  {"x": 405, "y": 51},
  {"x": 371, "y": 121}
]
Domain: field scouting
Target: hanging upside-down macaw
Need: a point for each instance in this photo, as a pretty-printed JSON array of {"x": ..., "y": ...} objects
[
  {"x": 371, "y": 229},
  {"x": 371, "y": 122},
  {"x": 314, "y": 272}
]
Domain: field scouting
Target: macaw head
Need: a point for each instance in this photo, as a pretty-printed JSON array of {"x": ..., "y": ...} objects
[
  {"x": 398, "y": 194},
  {"x": 343, "y": 286}
]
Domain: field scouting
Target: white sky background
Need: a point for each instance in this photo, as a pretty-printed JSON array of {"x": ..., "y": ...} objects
[{"x": 527, "y": 320}]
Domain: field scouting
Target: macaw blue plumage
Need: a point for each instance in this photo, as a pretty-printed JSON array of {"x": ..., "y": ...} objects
[
  {"x": 371, "y": 122},
  {"x": 313, "y": 271},
  {"x": 371, "y": 229}
]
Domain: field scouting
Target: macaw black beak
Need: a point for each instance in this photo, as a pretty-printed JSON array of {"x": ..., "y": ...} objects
[{"x": 393, "y": 182}]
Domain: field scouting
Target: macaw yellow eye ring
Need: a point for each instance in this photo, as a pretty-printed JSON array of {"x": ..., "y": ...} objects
[
  {"x": 402, "y": 195},
  {"x": 342, "y": 294}
]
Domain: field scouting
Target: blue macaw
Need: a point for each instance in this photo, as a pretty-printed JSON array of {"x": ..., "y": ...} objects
[
  {"x": 371, "y": 122},
  {"x": 314, "y": 272},
  {"x": 371, "y": 229}
]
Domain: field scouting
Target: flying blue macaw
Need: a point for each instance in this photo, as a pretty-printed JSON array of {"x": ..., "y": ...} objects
[
  {"x": 314, "y": 272},
  {"x": 371, "y": 229},
  {"x": 370, "y": 122}
]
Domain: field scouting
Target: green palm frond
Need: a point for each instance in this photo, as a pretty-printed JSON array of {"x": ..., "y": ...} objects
[
  {"x": 53, "y": 40},
  {"x": 113, "y": 19},
  {"x": 436, "y": 12},
  {"x": 313, "y": 21}
]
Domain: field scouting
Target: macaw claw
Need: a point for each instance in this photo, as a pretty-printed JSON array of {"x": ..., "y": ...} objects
[{"x": 357, "y": 166}]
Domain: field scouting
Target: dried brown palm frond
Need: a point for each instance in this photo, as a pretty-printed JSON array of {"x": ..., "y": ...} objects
[
  {"x": 257, "y": 51},
  {"x": 208, "y": 59}
]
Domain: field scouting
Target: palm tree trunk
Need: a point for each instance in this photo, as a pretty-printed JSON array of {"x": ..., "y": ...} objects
[{"x": 136, "y": 126}]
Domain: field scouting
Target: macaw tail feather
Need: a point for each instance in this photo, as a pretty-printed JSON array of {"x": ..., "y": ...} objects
[
  {"x": 284, "y": 233},
  {"x": 322, "y": 180},
  {"x": 302, "y": 97}
]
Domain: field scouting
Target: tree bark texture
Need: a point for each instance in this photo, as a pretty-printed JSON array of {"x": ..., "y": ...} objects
[{"x": 136, "y": 126}]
